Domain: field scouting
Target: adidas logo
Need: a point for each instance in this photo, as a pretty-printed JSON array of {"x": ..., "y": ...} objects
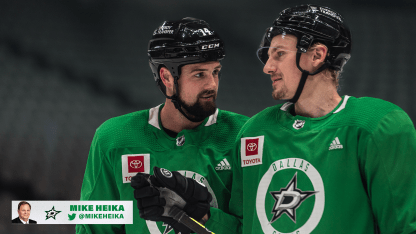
[
  {"x": 335, "y": 144},
  {"x": 223, "y": 165}
]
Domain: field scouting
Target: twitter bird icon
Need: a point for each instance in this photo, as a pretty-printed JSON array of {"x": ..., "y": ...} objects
[{"x": 71, "y": 217}]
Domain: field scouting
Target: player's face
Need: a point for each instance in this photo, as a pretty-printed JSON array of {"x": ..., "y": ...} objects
[
  {"x": 198, "y": 87},
  {"x": 24, "y": 212},
  {"x": 281, "y": 66}
]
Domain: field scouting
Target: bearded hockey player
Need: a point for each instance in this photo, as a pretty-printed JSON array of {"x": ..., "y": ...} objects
[
  {"x": 187, "y": 133},
  {"x": 320, "y": 163}
]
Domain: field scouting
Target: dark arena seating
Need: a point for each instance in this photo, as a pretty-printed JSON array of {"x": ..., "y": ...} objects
[{"x": 67, "y": 66}]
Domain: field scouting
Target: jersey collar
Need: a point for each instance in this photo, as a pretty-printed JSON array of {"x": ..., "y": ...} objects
[
  {"x": 154, "y": 114},
  {"x": 342, "y": 106},
  {"x": 154, "y": 117},
  {"x": 193, "y": 136},
  {"x": 301, "y": 123},
  {"x": 287, "y": 105}
]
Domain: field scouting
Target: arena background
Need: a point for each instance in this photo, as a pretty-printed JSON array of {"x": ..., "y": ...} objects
[{"x": 67, "y": 66}]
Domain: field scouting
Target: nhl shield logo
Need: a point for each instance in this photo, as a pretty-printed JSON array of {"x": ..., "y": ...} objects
[
  {"x": 180, "y": 140},
  {"x": 298, "y": 124}
]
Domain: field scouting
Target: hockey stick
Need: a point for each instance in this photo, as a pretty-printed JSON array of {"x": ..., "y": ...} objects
[{"x": 180, "y": 216}]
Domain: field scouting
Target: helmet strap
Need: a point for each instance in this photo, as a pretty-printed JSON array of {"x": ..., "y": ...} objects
[
  {"x": 304, "y": 76},
  {"x": 175, "y": 100}
]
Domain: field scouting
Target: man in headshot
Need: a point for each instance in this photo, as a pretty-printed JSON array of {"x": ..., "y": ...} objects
[{"x": 23, "y": 209}]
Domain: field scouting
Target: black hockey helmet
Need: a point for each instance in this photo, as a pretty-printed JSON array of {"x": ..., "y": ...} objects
[
  {"x": 310, "y": 24},
  {"x": 178, "y": 43}
]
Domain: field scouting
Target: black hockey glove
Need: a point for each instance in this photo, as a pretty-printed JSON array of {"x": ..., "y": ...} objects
[
  {"x": 196, "y": 196},
  {"x": 157, "y": 193},
  {"x": 152, "y": 205}
]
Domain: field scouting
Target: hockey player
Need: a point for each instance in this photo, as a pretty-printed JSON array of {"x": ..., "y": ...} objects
[
  {"x": 187, "y": 133},
  {"x": 320, "y": 163}
]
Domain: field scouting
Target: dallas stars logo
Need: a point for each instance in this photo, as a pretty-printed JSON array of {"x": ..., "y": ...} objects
[
  {"x": 167, "y": 229},
  {"x": 52, "y": 213},
  {"x": 288, "y": 199}
]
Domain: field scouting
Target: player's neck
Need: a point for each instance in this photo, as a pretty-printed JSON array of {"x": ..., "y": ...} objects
[
  {"x": 23, "y": 219},
  {"x": 318, "y": 98},
  {"x": 173, "y": 120}
]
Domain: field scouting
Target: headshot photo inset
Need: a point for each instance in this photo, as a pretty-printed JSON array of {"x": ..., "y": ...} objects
[{"x": 23, "y": 210}]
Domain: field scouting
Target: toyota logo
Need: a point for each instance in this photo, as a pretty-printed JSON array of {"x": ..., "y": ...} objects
[
  {"x": 136, "y": 164},
  {"x": 251, "y": 146}
]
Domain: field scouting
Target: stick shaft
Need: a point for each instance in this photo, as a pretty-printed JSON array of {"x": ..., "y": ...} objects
[{"x": 180, "y": 216}]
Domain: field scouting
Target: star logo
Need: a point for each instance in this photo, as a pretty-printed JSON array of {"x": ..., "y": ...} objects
[
  {"x": 52, "y": 213},
  {"x": 288, "y": 199},
  {"x": 167, "y": 229}
]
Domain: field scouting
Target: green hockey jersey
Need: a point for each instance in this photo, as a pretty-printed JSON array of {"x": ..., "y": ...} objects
[
  {"x": 350, "y": 171},
  {"x": 136, "y": 142}
]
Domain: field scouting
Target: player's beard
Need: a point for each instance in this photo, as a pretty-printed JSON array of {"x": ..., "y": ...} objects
[
  {"x": 279, "y": 94},
  {"x": 198, "y": 110}
]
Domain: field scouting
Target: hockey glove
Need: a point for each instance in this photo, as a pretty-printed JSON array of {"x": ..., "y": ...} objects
[
  {"x": 196, "y": 196},
  {"x": 151, "y": 203}
]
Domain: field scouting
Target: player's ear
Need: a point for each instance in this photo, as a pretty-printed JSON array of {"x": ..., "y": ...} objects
[
  {"x": 167, "y": 80},
  {"x": 319, "y": 55}
]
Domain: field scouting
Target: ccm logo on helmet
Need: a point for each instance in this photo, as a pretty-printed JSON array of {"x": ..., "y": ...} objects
[{"x": 210, "y": 46}]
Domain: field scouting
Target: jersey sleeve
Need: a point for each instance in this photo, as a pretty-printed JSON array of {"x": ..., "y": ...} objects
[
  {"x": 99, "y": 184},
  {"x": 389, "y": 160},
  {"x": 221, "y": 222}
]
